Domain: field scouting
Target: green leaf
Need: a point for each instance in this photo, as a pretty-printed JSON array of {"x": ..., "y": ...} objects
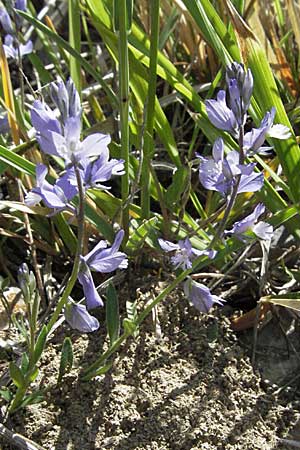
[
  {"x": 16, "y": 375},
  {"x": 33, "y": 375},
  {"x": 14, "y": 160},
  {"x": 36, "y": 397},
  {"x": 129, "y": 326},
  {"x": 66, "y": 233},
  {"x": 116, "y": 14},
  {"x": 177, "y": 187},
  {"x": 140, "y": 234},
  {"x": 66, "y": 46},
  {"x": 40, "y": 344},
  {"x": 102, "y": 371},
  {"x": 6, "y": 394},
  {"x": 66, "y": 359},
  {"x": 24, "y": 363},
  {"x": 112, "y": 314},
  {"x": 75, "y": 42}
]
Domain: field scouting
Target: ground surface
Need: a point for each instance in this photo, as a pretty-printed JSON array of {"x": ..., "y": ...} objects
[{"x": 183, "y": 384}]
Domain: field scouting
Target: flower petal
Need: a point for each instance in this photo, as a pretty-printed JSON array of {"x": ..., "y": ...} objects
[
  {"x": 78, "y": 318},
  {"x": 93, "y": 299}
]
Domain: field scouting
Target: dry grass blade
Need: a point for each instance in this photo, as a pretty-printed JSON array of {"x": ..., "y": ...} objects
[
  {"x": 293, "y": 13},
  {"x": 8, "y": 95}
]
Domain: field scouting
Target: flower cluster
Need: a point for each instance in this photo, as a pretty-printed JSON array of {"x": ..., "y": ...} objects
[
  {"x": 229, "y": 174},
  {"x": 183, "y": 256},
  {"x": 184, "y": 253},
  {"x": 102, "y": 259},
  {"x": 221, "y": 173},
  {"x": 12, "y": 23},
  {"x": 60, "y": 136}
]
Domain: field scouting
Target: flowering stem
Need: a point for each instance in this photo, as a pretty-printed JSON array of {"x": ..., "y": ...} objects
[
  {"x": 148, "y": 137},
  {"x": 234, "y": 192},
  {"x": 72, "y": 280},
  {"x": 124, "y": 110}
]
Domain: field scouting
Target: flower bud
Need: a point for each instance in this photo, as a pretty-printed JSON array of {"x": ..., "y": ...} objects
[
  {"x": 27, "y": 281},
  {"x": 240, "y": 86}
]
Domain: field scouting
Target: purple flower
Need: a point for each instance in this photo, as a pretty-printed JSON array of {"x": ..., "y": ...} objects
[
  {"x": 65, "y": 141},
  {"x": 184, "y": 252},
  {"x": 11, "y": 50},
  {"x": 220, "y": 115},
  {"x": 66, "y": 98},
  {"x": 78, "y": 318},
  {"x": 220, "y": 173},
  {"x": 57, "y": 196},
  {"x": 45, "y": 122},
  {"x": 94, "y": 173},
  {"x": 200, "y": 296},
  {"x": 262, "y": 230},
  {"x": 254, "y": 139},
  {"x": 105, "y": 260},
  {"x": 240, "y": 87},
  {"x": 93, "y": 299},
  {"x": 5, "y": 21},
  {"x": 101, "y": 259},
  {"x": 21, "y": 4},
  {"x": 4, "y": 124}
]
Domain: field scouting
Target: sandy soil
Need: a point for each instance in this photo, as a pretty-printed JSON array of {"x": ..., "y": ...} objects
[{"x": 184, "y": 383}]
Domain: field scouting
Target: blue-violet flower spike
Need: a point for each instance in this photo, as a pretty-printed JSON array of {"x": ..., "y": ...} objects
[{"x": 240, "y": 86}]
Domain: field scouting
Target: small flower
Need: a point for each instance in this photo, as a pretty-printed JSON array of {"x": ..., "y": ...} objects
[
  {"x": 6, "y": 21},
  {"x": 94, "y": 173},
  {"x": 220, "y": 115},
  {"x": 4, "y": 124},
  {"x": 64, "y": 141},
  {"x": 105, "y": 260},
  {"x": 45, "y": 122},
  {"x": 200, "y": 296},
  {"x": 220, "y": 173},
  {"x": 78, "y": 318},
  {"x": 11, "y": 49},
  {"x": 101, "y": 259},
  {"x": 26, "y": 281},
  {"x": 262, "y": 230},
  {"x": 184, "y": 252},
  {"x": 93, "y": 299},
  {"x": 254, "y": 139},
  {"x": 57, "y": 196}
]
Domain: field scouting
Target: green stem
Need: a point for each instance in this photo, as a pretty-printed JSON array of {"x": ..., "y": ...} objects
[
  {"x": 234, "y": 193},
  {"x": 148, "y": 138},
  {"x": 124, "y": 110},
  {"x": 72, "y": 280}
]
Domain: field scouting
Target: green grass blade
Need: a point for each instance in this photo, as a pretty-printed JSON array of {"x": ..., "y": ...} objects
[
  {"x": 75, "y": 42},
  {"x": 66, "y": 46}
]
